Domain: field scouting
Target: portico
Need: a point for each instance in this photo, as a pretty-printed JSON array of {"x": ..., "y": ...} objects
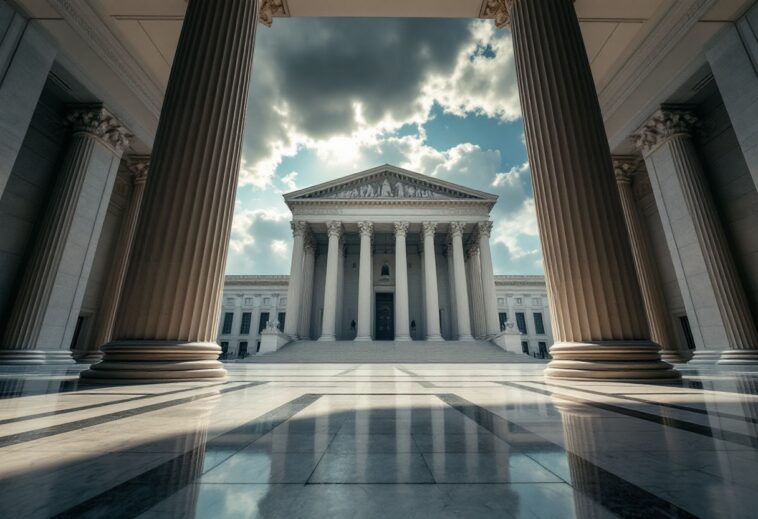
[{"x": 391, "y": 259}]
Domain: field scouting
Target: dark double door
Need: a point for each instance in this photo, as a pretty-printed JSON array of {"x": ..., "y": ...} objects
[{"x": 385, "y": 317}]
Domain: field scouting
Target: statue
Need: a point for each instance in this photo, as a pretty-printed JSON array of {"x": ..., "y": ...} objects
[{"x": 386, "y": 189}]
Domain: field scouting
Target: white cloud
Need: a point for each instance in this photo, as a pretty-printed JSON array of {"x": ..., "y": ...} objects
[
  {"x": 280, "y": 248},
  {"x": 289, "y": 180},
  {"x": 513, "y": 230}
]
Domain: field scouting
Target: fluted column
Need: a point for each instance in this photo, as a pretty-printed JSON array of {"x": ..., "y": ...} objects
[
  {"x": 705, "y": 267},
  {"x": 430, "y": 284},
  {"x": 363, "y": 327},
  {"x": 295, "y": 285},
  {"x": 309, "y": 263},
  {"x": 658, "y": 317},
  {"x": 328, "y": 324},
  {"x": 451, "y": 286},
  {"x": 167, "y": 323},
  {"x": 477, "y": 295},
  {"x": 402, "y": 319},
  {"x": 106, "y": 314},
  {"x": 461, "y": 291},
  {"x": 599, "y": 320},
  {"x": 492, "y": 322},
  {"x": 44, "y": 314}
]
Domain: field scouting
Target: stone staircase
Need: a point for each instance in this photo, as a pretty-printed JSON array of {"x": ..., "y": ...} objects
[{"x": 378, "y": 352}]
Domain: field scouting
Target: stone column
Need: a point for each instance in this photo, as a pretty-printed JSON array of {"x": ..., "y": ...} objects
[
  {"x": 492, "y": 322},
  {"x": 255, "y": 322},
  {"x": 363, "y": 327},
  {"x": 461, "y": 291},
  {"x": 309, "y": 263},
  {"x": 658, "y": 316},
  {"x": 451, "y": 286},
  {"x": 600, "y": 325},
  {"x": 430, "y": 284},
  {"x": 106, "y": 314},
  {"x": 402, "y": 319},
  {"x": 715, "y": 299},
  {"x": 476, "y": 292},
  {"x": 295, "y": 286},
  {"x": 328, "y": 324},
  {"x": 167, "y": 323},
  {"x": 49, "y": 299}
]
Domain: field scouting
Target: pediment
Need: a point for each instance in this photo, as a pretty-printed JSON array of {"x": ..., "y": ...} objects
[{"x": 388, "y": 183}]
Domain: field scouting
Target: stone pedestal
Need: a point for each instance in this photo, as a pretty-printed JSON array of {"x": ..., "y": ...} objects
[
  {"x": 430, "y": 284},
  {"x": 598, "y": 315},
  {"x": 459, "y": 273},
  {"x": 168, "y": 320},
  {"x": 328, "y": 324},
  {"x": 402, "y": 309},
  {"x": 658, "y": 316},
  {"x": 363, "y": 327},
  {"x": 696, "y": 239},
  {"x": 43, "y": 319}
]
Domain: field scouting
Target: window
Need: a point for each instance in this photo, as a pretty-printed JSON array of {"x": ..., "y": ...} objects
[
  {"x": 500, "y": 301},
  {"x": 521, "y": 322},
  {"x": 266, "y": 301},
  {"x": 519, "y": 300},
  {"x": 539, "y": 326},
  {"x": 689, "y": 339},
  {"x": 248, "y": 301},
  {"x": 537, "y": 301},
  {"x": 226, "y": 328},
  {"x": 543, "y": 349},
  {"x": 283, "y": 301},
  {"x": 525, "y": 347},
  {"x": 243, "y": 350},
  {"x": 245, "y": 325},
  {"x": 385, "y": 270},
  {"x": 282, "y": 315},
  {"x": 264, "y": 321},
  {"x": 230, "y": 300},
  {"x": 224, "y": 350},
  {"x": 503, "y": 317}
]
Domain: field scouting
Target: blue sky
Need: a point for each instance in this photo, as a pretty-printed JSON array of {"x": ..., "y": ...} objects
[{"x": 330, "y": 97}]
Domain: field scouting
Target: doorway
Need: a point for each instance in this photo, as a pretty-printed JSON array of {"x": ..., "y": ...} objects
[{"x": 385, "y": 317}]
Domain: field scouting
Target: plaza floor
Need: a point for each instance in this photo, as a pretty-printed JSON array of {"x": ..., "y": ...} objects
[{"x": 385, "y": 439}]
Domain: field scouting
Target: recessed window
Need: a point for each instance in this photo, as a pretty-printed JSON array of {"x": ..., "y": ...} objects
[
  {"x": 519, "y": 301},
  {"x": 539, "y": 325},
  {"x": 266, "y": 301},
  {"x": 230, "y": 300},
  {"x": 500, "y": 301},
  {"x": 226, "y": 328},
  {"x": 245, "y": 325},
  {"x": 521, "y": 322},
  {"x": 248, "y": 301},
  {"x": 385, "y": 270},
  {"x": 537, "y": 301}
]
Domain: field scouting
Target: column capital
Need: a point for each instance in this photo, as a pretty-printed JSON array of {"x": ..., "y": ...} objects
[
  {"x": 429, "y": 228},
  {"x": 500, "y": 10},
  {"x": 139, "y": 166},
  {"x": 366, "y": 228},
  {"x": 334, "y": 228},
  {"x": 309, "y": 243},
  {"x": 665, "y": 124},
  {"x": 95, "y": 120},
  {"x": 625, "y": 168},
  {"x": 401, "y": 228},
  {"x": 269, "y": 9},
  {"x": 457, "y": 228},
  {"x": 484, "y": 228},
  {"x": 299, "y": 228},
  {"x": 473, "y": 251}
]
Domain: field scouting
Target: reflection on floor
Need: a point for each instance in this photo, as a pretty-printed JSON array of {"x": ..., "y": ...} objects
[{"x": 379, "y": 440}]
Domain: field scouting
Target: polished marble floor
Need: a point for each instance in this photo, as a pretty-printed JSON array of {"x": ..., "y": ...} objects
[{"x": 379, "y": 440}]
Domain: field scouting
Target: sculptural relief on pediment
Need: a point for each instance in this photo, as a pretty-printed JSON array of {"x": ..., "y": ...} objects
[{"x": 388, "y": 186}]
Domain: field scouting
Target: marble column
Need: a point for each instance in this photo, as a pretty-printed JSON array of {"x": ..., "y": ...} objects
[
  {"x": 363, "y": 327},
  {"x": 658, "y": 317},
  {"x": 476, "y": 293},
  {"x": 430, "y": 284},
  {"x": 106, "y": 314},
  {"x": 402, "y": 318},
  {"x": 309, "y": 263},
  {"x": 492, "y": 322},
  {"x": 461, "y": 291},
  {"x": 167, "y": 323},
  {"x": 295, "y": 286},
  {"x": 329, "y": 321},
  {"x": 599, "y": 319},
  {"x": 714, "y": 295},
  {"x": 43, "y": 318},
  {"x": 451, "y": 286}
]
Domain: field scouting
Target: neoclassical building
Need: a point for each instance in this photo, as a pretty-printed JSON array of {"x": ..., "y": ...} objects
[{"x": 640, "y": 123}]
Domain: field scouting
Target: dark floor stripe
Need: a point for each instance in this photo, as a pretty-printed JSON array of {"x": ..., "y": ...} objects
[
  {"x": 703, "y": 430},
  {"x": 137, "y": 495},
  {"x": 680, "y": 407},
  {"x": 142, "y": 396},
  {"x": 621, "y": 497},
  {"x": 15, "y": 439}
]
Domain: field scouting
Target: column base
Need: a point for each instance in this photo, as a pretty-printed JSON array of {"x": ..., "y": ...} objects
[
  {"x": 404, "y": 338},
  {"x": 673, "y": 357},
  {"x": 466, "y": 338},
  {"x": 150, "y": 362},
  {"x": 631, "y": 361},
  {"x": 363, "y": 339},
  {"x": 434, "y": 338},
  {"x": 87, "y": 357},
  {"x": 738, "y": 358},
  {"x": 327, "y": 338},
  {"x": 705, "y": 358},
  {"x": 35, "y": 357}
]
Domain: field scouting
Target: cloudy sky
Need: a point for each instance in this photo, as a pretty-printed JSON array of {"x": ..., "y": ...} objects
[{"x": 331, "y": 97}]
